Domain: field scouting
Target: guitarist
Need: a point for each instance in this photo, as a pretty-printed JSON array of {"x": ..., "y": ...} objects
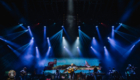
[
  {"x": 71, "y": 70},
  {"x": 23, "y": 73}
]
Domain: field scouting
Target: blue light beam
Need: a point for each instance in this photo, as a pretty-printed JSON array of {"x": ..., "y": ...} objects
[
  {"x": 48, "y": 52},
  {"x": 112, "y": 32},
  {"x": 16, "y": 52},
  {"x": 79, "y": 51},
  {"x": 13, "y": 36},
  {"x": 95, "y": 52},
  {"x": 30, "y": 31},
  {"x": 44, "y": 32},
  {"x": 120, "y": 24},
  {"x": 65, "y": 32},
  {"x": 69, "y": 53},
  {"x": 37, "y": 53},
  {"x": 9, "y": 42},
  {"x": 83, "y": 37},
  {"x": 99, "y": 35},
  {"x": 128, "y": 37}
]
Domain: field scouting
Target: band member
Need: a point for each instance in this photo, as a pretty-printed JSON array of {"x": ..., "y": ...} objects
[
  {"x": 95, "y": 72},
  {"x": 130, "y": 72},
  {"x": 71, "y": 70},
  {"x": 86, "y": 64},
  {"x": 23, "y": 73},
  {"x": 57, "y": 74},
  {"x": 51, "y": 64}
]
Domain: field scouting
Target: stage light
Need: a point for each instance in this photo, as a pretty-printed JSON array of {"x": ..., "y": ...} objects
[
  {"x": 91, "y": 47},
  {"x": 62, "y": 26},
  {"x": 93, "y": 37},
  {"x": 28, "y": 26},
  {"x": 78, "y": 26},
  {"x": 104, "y": 46},
  {"x": 108, "y": 37},
  {"x": 26, "y": 30},
  {"x": 112, "y": 26},
  {"x": 77, "y": 47},
  {"x": 77, "y": 37},
  {"x": 20, "y": 24},
  {"x": 44, "y": 26},
  {"x": 63, "y": 37},
  {"x": 47, "y": 37},
  {"x": 64, "y": 46},
  {"x": 96, "y": 26},
  {"x": 120, "y": 23},
  {"x": 37, "y": 53},
  {"x": 32, "y": 37},
  {"x": 49, "y": 47}
]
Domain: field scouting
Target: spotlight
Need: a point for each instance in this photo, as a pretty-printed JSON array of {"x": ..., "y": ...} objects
[
  {"x": 104, "y": 46},
  {"x": 112, "y": 26},
  {"x": 27, "y": 30},
  {"x": 63, "y": 37},
  {"x": 77, "y": 47},
  {"x": 44, "y": 26},
  {"x": 91, "y": 47},
  {"x": 77, "y": 37},
  {"x": 28, "y": 26},
  {"x": 78, "y": 26},
  {"x": 36, "y": 47},
  {"x": 62, "y": 26},
  {"x": 64, "y": 46},
  {"x": 32, "y": 37},
  {"x": 20, "y": 24},
  {"x": 49, "y": 47},
  {"x": 96, "y": 26},
  {"x": 108, "y": 37},
  {"x": 120, "y": 23},
  {"x": 93, "y": 37},
  {"x": 47, "y": 37}
]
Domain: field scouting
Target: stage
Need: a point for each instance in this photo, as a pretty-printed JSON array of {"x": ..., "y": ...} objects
[{"x": 59, "y": 38}]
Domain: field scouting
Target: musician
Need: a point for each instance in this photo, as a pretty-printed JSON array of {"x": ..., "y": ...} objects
[
  {"x": 86, "y": 64},
  {"x": 23, "y": 73},
  {"x": 95, "y": 72},
  {"x": 72, "y": 71},
  {"x": 57, "y": 74},
  {"x": 130, "y": 72},
  {"x": 52, "y": 64}
]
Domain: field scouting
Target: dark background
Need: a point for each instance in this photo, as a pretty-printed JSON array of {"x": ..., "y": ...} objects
[{"x": 87, "y": 14}]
